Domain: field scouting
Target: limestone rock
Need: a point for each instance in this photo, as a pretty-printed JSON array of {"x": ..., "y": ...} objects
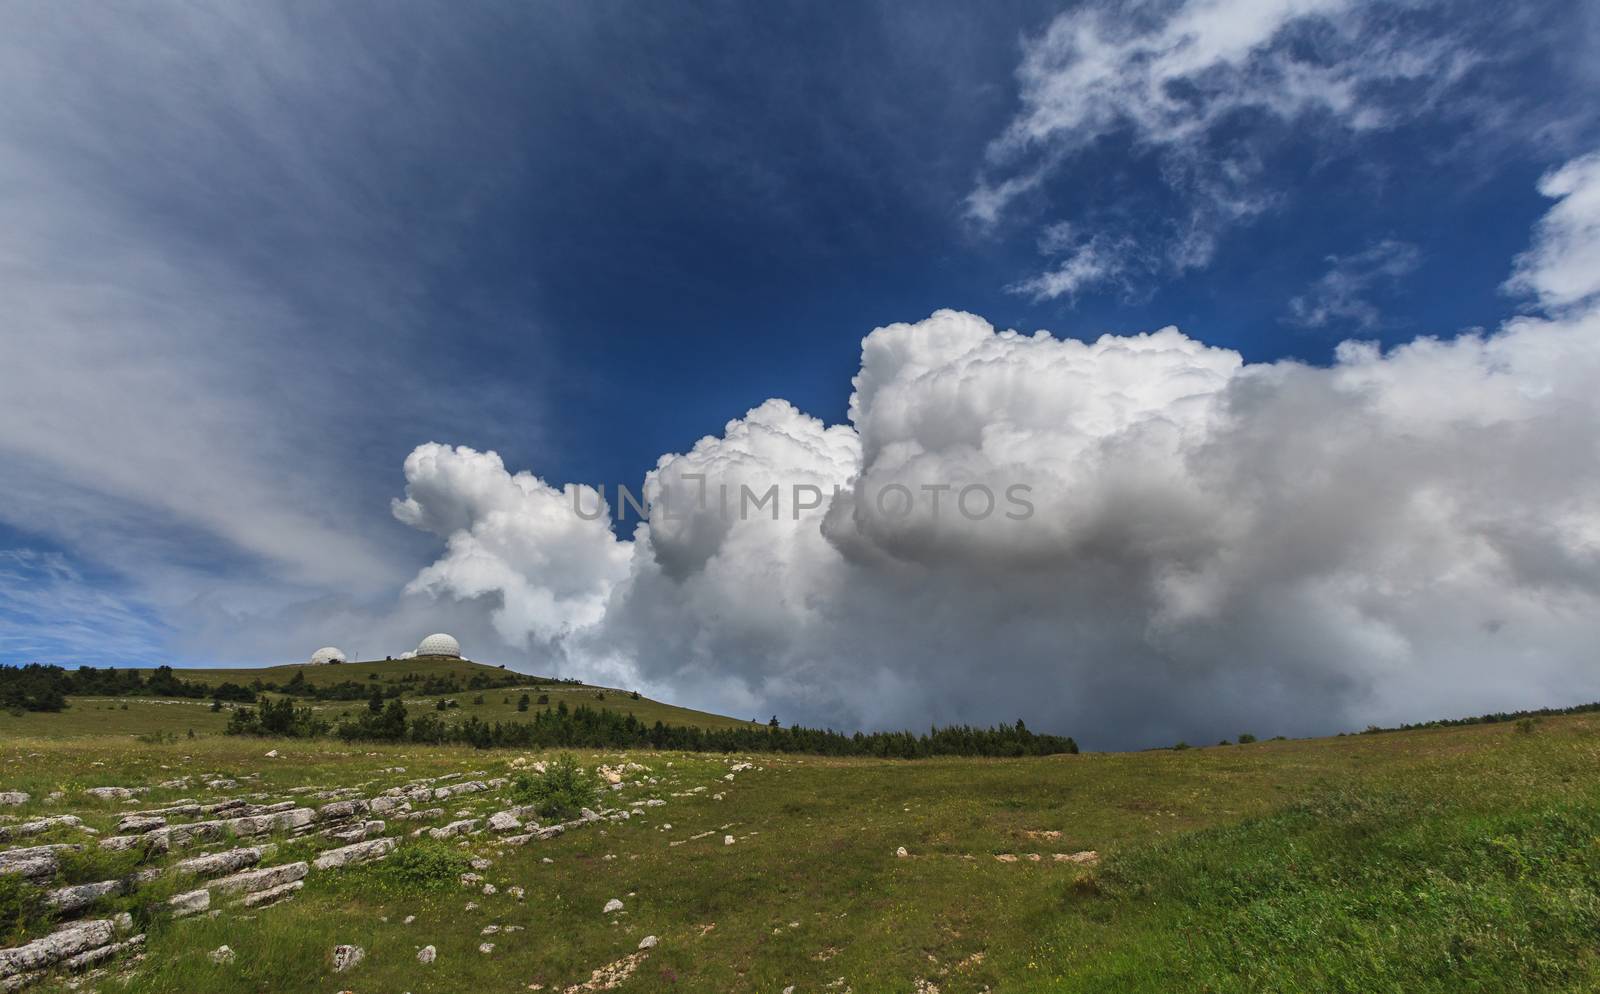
[
  {"x": 426, "y": 954},
  {"x": 361, "y": 852},
  {"x": 266, "y": 878},
  {"x": 190, "y": 903},
  {"x": 648, "y": 942},
  {"x": 347, "y": 957},
  {"x": 612, "y": 905},
  {"x": 222, "y": 954}
]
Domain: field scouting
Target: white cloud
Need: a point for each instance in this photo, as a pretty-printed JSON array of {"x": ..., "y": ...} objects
[
  {"x": 1215, "y": 546},
  {"x": 1339, "y": 295},
  {"x": 514, "y": 538},
  {"x": 1562, "y": 269},
  {"x": 1174, "y": 79}
]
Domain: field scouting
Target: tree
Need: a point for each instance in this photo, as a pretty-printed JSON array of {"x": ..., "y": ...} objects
[
  {"x": 522, "y": 703},
  {"x": 375, "y": 702}
]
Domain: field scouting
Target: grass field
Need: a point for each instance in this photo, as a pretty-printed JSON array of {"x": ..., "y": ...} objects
[{"x": 1463, "y": 859}]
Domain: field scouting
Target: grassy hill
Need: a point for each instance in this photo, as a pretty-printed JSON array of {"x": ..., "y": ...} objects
[
  {"x": 1437, "y": 860},
  {"x": 499, "y": 702}
]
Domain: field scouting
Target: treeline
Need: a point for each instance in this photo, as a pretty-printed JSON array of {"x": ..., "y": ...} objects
[
  {"x": 1489, "y": 719},
  {"x": 35, "y": 687},
  {"x": 416, "y": 684},
  {"x": 590, "y": 728}
]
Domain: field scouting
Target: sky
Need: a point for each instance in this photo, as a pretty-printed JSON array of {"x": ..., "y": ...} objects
[{"x": 312, "y": 315}]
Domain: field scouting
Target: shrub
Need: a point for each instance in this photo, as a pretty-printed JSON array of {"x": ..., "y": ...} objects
[
  {"x": 544, "y": 698},
  {"x": 1245, "y": 738},
  {"x": 561, "y": 791},
  {"x": 1180, "y": 746},
  {"x": 1525, "y": 726},
  {"x": 418, "y": 865},
  {"x": 22, "y": 909}
]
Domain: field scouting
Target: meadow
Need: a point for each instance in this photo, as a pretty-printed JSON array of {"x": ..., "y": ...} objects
[{"x": 1459, "y": 859}]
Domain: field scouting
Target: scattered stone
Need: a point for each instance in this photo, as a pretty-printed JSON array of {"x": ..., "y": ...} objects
[
  {"x": 347, "y": 957},
  {"x": 13, "y": 797},
  {"x": 610, "y": 976},
  {"x": 272, "y": 895},
  {"x": 516, "y": 892},
  {"x": 901, "y": 852},
  {"x": 727, "y": 840},
  {"x": 426, "y": 954},
  {"x": 272, "y": 754},
  {"x": 648, "y": 942},
  {"x": 486, "y": 947},
  {"x": 409, "y": 919},
  {"x": 222, "y": 954},
  {"x": 611, "y": 906}
]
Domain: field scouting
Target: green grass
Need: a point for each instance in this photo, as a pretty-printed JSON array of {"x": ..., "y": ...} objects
[{"x": 1463, "y": 859}]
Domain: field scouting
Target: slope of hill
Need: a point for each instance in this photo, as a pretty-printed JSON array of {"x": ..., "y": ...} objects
[
  {"x": 423, "y": 681},
  {"x": 1439, "y": 860}
]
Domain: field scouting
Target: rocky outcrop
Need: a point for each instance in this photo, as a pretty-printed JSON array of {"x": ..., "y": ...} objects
[
  {"x": 266, "y": 878},
  {"x": 73, "y": 947},
  {"x": 361, "y": 852},
  {"x": 222, "y": 862},
  {"x": 34, "y": 862}
]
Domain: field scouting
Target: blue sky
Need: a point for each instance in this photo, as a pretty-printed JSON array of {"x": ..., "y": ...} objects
[{"x": 254, "y": 256}]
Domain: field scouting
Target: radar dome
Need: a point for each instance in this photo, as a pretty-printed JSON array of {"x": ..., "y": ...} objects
[
  {"x": 408, "y": 654},
  {"x": 439, "y": 644},
  {"x": 327, "y": 654}
]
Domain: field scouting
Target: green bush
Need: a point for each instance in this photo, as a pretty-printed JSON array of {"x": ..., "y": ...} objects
[
  {"x": 22, "y": 910},
  {"x": 1245, "y": 738},
  {"x": 418, "y": 865},
  {"x": 561, "y": 791}
]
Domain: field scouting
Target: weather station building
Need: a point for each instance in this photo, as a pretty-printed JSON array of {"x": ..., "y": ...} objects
[{"x": 439, "y": 644}]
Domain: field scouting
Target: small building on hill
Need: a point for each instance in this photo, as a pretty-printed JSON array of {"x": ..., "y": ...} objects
[{"x": 439, "y": 644}]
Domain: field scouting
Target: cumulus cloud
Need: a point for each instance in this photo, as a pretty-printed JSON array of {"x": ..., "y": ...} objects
[
  {"x": 1562, "y": 269},
  {"x": 1208, "y": 546},
  {"x": 515, "y": 537}
]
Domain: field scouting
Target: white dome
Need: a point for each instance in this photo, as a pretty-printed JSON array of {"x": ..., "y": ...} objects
[
  {"x": 408, "y": 654},
  {"x": 327, "y": 654},
  {"x": 439, "y": 644}
]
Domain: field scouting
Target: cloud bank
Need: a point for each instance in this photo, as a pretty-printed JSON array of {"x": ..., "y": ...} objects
[{"x": 1215, "y": 546}]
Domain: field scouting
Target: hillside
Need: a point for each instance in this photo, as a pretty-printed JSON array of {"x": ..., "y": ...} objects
[
  {"x": 500, "y": 689},
  {"x": 1434, "y": 860}
]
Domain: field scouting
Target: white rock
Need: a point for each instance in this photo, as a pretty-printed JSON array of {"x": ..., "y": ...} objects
[
  {"x": 648, "y": 942},
  {"x": 272, "y": 754},
  {"x": 347, "y": 957},
  {"x": 504, "y": 821},
  {"x": 485, "y": 947},
  {"x": 10, "y": 797},
  {"x": 727, "y": 840},
  {"x": 190, "y": 903},
  {"x": 222, "y": 954},
  {"x": 361, "y": 852},
  {"x": 426, "y": 954},
  {"x": 612, "y": 905},
  {"x": 901, "y": 852}
]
